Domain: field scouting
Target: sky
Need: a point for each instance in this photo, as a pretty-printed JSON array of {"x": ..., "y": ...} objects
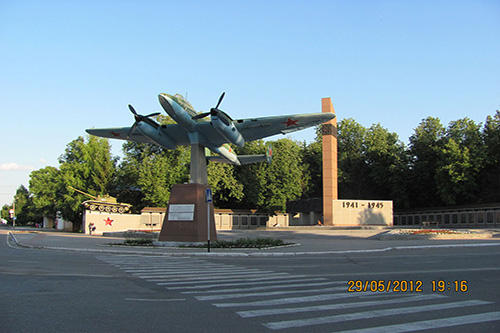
[{"x": 66, "y": 66}]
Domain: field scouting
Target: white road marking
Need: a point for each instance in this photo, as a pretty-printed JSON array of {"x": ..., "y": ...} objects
[
  {"x": 336, "y": 306},
  {"x": 309, "y": 283},
  {"x": 369, "y": 314},
  {"x": 222, "y": 278},
  {"x": 155, "y": 299},
  {"x": 175, "y": 273},
  {"x": 248, "y": 282},
  {"x": 432, "y": 323},
  {"x": 458, "y": 270},
  {"x": 179, "y": 271},
  {"x": 267, "y": 293},
  {"x": 205, "y": 281},
  {"x": 291, "y": 300}
]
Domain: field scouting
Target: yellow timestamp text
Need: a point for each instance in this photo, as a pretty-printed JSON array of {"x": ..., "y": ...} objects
[
  {"x": 443, "y": 285},
  {"x": 416, "y": 286}
]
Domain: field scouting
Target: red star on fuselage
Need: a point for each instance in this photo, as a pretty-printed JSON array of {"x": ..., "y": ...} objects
[
  {"x": 290, "y": 122},
  {"x": 116, "y": 135}
]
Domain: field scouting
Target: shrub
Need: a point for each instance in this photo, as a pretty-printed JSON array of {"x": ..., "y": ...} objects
[{"x": 138, "y": 242}]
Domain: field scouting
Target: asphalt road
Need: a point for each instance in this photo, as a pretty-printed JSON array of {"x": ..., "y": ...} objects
[{"x": 47, "y": 291}]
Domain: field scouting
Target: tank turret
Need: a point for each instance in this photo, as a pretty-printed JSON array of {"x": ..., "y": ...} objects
[{"x": 103, "y": 203}]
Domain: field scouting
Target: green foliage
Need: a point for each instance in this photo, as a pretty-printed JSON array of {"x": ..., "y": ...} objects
[
  {"x": 490, "y": 175},
  {"x": 352, "y": 173},
  {"x": 46, "y": 187},
  {"x": 312, "y": 161},
  {"x": 87, "y": 166},
  {"x": 4, "y": 214},
  {"x": 387, "y": 163},
  {"x": 459, "y": 164},
  {"x": 425, "y": 151},
  {"x": 24, "y": 211},
  {"x": 254, "y": 243},
  {"x": 269, "y": 187},
  {"x": 225, "y": 186},
  {"x": 138, "y": 242},
  {"x": 372, "y": 163},
  {"x": 452, "y": 176},
  {"x": 151, "y": 171}
]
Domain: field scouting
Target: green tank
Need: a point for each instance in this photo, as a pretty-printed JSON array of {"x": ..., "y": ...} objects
[{"x": 104, "y": 203}]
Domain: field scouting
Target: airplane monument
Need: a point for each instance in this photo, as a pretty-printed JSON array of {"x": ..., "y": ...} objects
[{"x": 190, "y": 205}]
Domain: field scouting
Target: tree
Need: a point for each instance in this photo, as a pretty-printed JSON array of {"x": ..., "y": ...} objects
[
  {"x": 387, "y": 161},
  {"x": 269, "y": 187},
  {"x": 46, "y": 187},
  {"x": 312, "y": 159},
  {"x": 372, "y": 163},
  {"x": 92, "y": 162},
  {"x": 460, "y": 163},
  {"x": 227, "y": 189},
  {"x": 24, "y": 206},
  {"x": 247, "y": 175},
  {"x": 352, "y": 167},
  {"x": 5, "y": 212},
  {"x": 157, "y": 175},
  {"x": 88, "y": 166},
  {"x": 452, "y": 174},
  {"x": 425, "y": 150},
  {"x": 148, "y": 173},
  {"x": 490, "y": 177}
]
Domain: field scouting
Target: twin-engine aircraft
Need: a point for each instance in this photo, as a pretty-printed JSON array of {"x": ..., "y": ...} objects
[{"x": 193, "y": 129}]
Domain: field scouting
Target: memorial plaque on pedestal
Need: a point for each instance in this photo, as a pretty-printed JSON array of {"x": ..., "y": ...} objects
[{"x": 186, "y": 218}]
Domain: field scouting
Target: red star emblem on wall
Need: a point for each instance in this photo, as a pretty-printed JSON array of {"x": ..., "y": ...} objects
[
  {"x": 290, "y": 122},
  {"x": 108, "y": 221}
]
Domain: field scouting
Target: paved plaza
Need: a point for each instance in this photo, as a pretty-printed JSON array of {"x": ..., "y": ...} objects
[{"x": 306, "y": 241}]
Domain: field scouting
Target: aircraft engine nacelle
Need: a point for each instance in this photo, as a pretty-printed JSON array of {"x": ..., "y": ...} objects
[
  {"x": 229, "y": 132},
  {"x": 227, "y": 152},
  {"x": 157, "y": 136}
]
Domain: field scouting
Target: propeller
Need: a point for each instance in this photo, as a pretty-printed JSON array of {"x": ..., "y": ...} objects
[
  {"x": 215, "y": 112},
  {"x": 139, "y": 118},
  {"x": 220, "y": 100}
]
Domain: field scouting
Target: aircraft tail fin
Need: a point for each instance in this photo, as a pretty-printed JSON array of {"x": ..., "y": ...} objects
[{"x": 249, "y": 159}]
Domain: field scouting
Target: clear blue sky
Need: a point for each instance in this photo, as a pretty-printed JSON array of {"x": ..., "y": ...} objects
[{"x": 71, "y": 65}]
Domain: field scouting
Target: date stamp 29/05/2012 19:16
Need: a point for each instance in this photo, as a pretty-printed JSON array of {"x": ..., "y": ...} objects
[{"x": 416, "y": 286}]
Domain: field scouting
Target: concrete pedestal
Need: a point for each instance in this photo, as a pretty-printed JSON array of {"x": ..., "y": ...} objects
[{"x": 186, "y": 218}]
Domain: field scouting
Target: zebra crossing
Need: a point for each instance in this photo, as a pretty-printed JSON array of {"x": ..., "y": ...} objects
[{"x": 282, "y": 301}]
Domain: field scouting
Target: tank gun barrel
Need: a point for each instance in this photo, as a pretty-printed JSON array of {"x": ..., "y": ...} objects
[{"x": 84, "y": 193}]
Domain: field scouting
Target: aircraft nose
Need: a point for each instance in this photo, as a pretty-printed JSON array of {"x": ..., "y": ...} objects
[
  {"x": 165, "y": 103},
  {"x": 162, "y": 98}
]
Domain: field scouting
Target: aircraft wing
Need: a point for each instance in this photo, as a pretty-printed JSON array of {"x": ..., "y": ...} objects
[
  {"x": 172, "y": 135},
  {"x": 119, "y": 133},
  {"x": 174, "y": 131},
  {"x": 258, "y": 128}
]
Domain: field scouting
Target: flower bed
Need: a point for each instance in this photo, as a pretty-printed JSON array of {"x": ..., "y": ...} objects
[
  {"x": 428, "y": 234},
  {"x": 434, "y": 232}
]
